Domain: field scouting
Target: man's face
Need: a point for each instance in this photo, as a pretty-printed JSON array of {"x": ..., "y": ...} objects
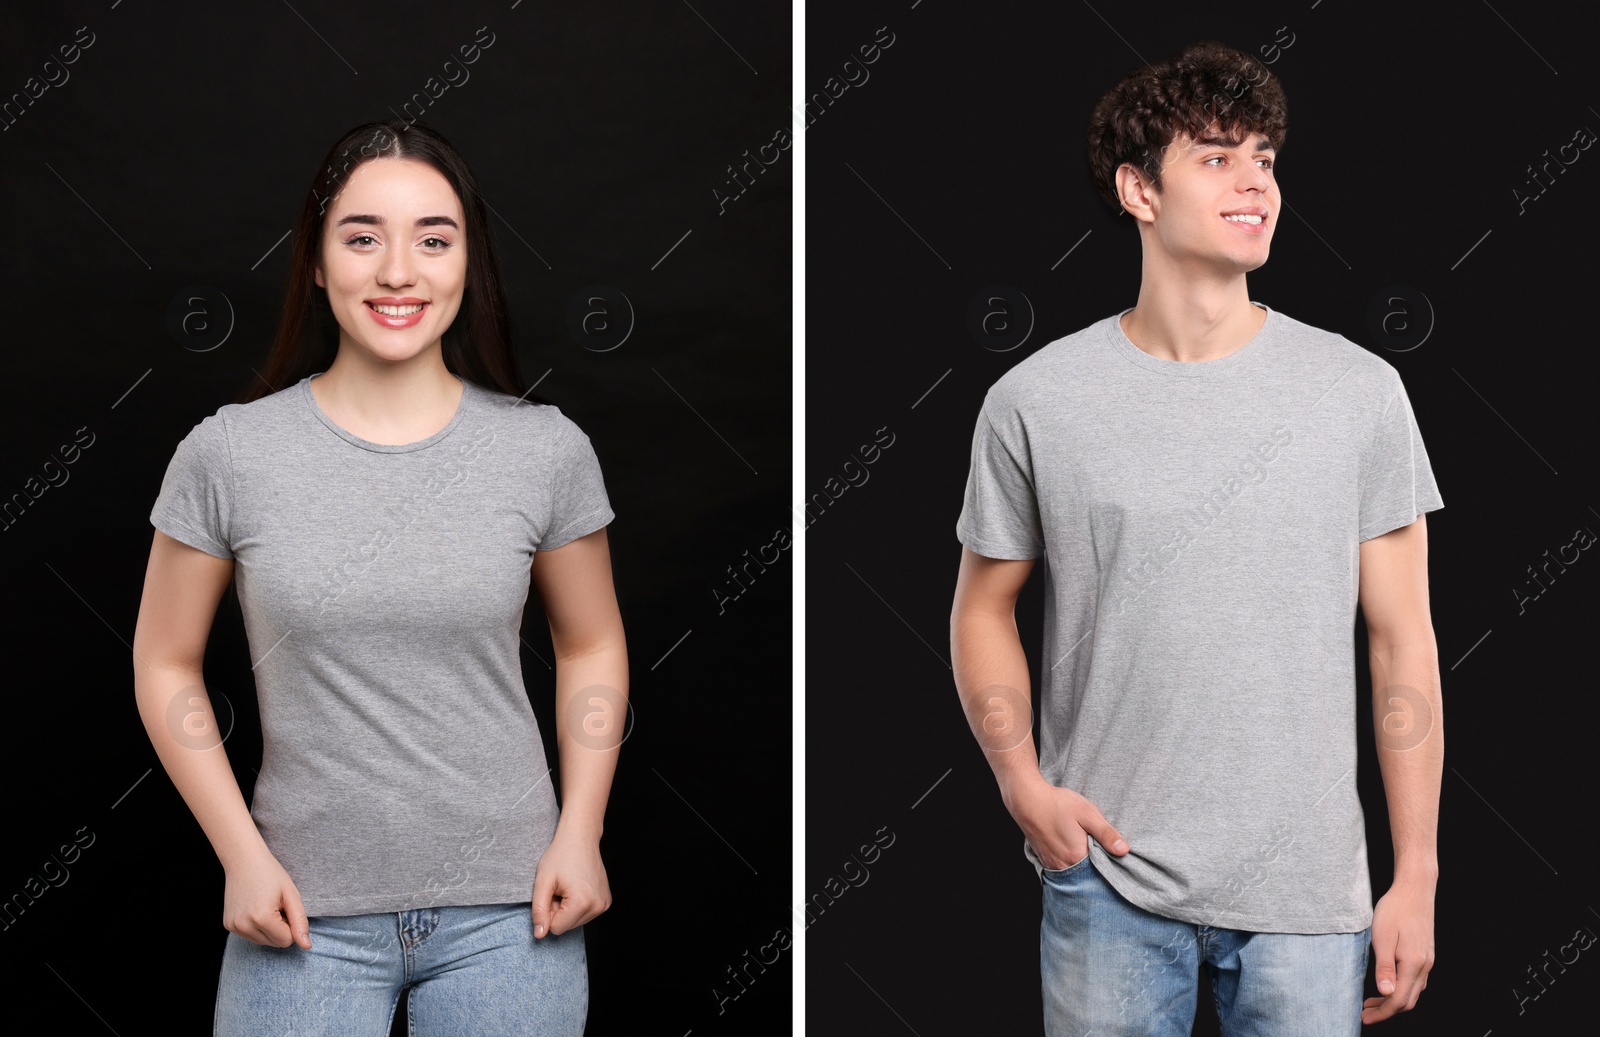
[{"x": 1203, "y": 181}]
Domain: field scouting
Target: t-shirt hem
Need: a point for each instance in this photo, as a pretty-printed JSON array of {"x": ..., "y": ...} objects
[
  {"x": 995, "y": 549},
  {"x": 386, "y": 903},
  {"x": 1227, "y": 920},
  {"x": 198, "y": 541},
  {"x": 1397, "y": 519},
  {"x": 597, "y": 519}
]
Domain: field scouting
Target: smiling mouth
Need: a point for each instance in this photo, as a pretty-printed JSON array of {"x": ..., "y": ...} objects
[{"x": 397, "y": 311}]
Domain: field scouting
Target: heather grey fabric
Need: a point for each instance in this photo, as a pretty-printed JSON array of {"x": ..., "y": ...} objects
[
  {"x": 383, "y": 588},
  {"x": 1198, "y": 524}
]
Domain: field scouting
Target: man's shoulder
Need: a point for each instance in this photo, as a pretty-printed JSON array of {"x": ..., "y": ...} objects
[
  {"x": 1051, "y": 369},
  {"x": 1319, "y": 352}
]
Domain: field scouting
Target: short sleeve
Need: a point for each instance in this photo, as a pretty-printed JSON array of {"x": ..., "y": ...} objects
[
  {"x": 579, "y": 505},
  {"x": 1397, "y": 481},
  {"x": 1000, "y": 512},
  {"x": 195, "y": 504}
]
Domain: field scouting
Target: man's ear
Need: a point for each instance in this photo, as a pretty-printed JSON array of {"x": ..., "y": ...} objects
[{"x": 1133, "y": 190}]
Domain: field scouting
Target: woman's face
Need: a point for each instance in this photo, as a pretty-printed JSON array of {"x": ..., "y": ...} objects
[{"x": 395, "y": 239}]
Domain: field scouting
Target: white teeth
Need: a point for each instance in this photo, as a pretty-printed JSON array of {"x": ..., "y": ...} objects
[
  {"x": 396, "y": 311},
  {"x": 1243, "y": 219}
]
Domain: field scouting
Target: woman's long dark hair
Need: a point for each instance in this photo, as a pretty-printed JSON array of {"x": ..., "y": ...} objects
[{"x": 476, "y": 346}]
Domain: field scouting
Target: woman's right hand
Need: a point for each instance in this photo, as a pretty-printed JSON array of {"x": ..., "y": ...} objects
[
  {"x": 262, "y": 904},
  {"x": 1058, "y": 823}
]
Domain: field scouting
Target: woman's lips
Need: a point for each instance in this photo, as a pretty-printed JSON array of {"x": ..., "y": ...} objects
[{"x": 384, "y": 320}]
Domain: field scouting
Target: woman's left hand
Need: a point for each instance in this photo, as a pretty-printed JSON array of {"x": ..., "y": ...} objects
[{"x": 569, "y": 887}]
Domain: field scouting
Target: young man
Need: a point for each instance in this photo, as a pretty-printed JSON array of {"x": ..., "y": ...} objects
[{"x": 1212, "y": 485}]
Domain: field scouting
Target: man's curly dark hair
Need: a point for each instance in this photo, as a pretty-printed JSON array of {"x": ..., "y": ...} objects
[{"x": 1208, "y": 85}]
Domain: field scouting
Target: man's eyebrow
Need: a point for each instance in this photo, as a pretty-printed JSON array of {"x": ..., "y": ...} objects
[
  {"x": 1263, "y": 144},
  {"x": 379, "y": 221}
]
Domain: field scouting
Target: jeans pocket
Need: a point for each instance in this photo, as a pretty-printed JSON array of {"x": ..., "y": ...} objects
[{"x": 1074, "y": 866}]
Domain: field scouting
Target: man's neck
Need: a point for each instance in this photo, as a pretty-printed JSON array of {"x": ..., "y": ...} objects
[{"x": 1194, "y": 324}]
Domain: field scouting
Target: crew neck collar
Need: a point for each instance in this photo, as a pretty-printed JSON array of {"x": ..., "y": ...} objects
[
  {"x": 1186, "y": 368},
  {"x": 467, "y": 399}
]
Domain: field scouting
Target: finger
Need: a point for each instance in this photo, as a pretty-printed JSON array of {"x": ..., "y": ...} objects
[
  {"x": 574, "y": 911},
  {"x": 275, "y": 929},
  {"x": 543, "y": 889},
  {"x": 560, "y": 914},
  {"x": 1104, "y": 832},
  {"x": 1111, "y": 839},
  {"x": 1386, "y": 977},
  {"x": 1380, "y": 1008},
  {"x": 1411, "y": 981},
  {"x": 1383, "y": 949},
  {"x": 299, "y": 924}
]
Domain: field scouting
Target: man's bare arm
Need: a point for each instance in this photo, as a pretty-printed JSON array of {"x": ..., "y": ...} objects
[
  {"x": 1407, "y": 705},
  {"x": 1409, "y": 719},
  {"x": 991, "y": 668},
  {"x": 991, "y": 672}
]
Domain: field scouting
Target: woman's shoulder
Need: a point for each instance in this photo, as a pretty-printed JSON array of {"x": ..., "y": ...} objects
[
  {"x": 232, "y": 420},
  {"x": 539, "y": 421}
]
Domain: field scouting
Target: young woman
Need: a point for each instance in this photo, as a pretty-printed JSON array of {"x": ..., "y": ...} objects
[{"x": 384, "y": 516}]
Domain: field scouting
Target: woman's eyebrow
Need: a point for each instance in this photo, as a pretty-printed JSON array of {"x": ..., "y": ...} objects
[{"x": 379, "y": 221}]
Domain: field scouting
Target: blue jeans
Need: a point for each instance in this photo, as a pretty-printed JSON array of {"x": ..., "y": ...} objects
[
  {"x": 1113, "y": 969},
  {"x": 472, "y": 969}
]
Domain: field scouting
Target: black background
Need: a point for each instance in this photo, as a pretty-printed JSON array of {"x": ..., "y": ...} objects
[
  {"x": 178, "y": 154},
  {"x": 960, "y": 165}
]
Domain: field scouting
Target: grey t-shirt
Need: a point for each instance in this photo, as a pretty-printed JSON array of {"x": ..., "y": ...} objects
[
  {"x": 382, "y": 588},
  {"x": 1199, "y": 525}
]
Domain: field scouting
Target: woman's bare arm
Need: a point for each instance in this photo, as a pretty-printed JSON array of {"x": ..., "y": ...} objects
[
  {"x": 182, "y": 587},
  {"x": 575, "y": 586}
]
